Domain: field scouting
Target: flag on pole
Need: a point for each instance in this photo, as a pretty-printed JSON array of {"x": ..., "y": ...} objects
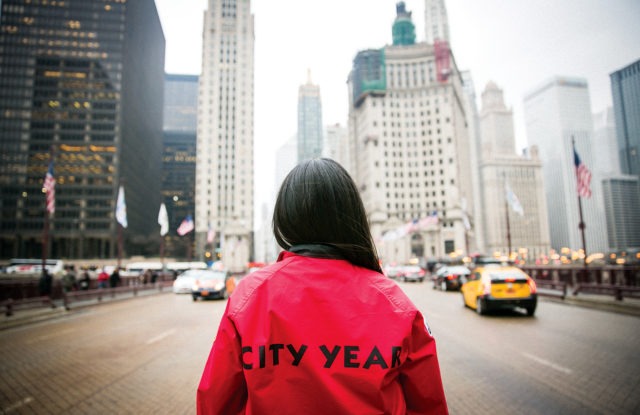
[
  {"x": 121, "y": 208},
  {"x": 211, "y": 234},
  {"x": 163, "y": 220},
  {"x": 583, "y": 175},
  {"x": 430, "y": 220},
  {"x": 513, "y": 200},
  {"x": 186, "y": 226},
  {"x": 49, "y": 188}
]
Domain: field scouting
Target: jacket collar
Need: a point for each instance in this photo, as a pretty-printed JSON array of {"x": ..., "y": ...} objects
[{"x": 312, "y": 250}]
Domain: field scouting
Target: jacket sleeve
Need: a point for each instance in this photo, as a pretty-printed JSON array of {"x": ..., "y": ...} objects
[
  {"x": 222, "y": 388},
  {"x": 420, "y": 373}
]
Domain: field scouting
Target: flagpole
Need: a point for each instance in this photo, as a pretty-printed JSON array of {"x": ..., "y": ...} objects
[
  {"x": 581, "y": 225},
  {"x": 506, "y": 213}
]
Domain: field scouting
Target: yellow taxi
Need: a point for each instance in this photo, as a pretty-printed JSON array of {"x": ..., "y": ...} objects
[{"x": 495, "y": 287}]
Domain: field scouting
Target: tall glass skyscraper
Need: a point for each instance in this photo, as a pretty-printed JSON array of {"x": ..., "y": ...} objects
[
  {"x": 81, "y": 81},
  {"x": 309, "y": 121},
  {"x": 625, "y": 90},
  {"x": 179, "y": 156}
]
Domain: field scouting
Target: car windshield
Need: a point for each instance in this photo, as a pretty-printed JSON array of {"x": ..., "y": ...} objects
[
  {"x": 205, "y": 274},
  {"x": 455, "y": 270},
  {"x": 503, "y": 275}
]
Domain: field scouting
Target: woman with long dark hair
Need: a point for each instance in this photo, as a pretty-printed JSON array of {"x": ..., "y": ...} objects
[{"x": 321, "y": 331}]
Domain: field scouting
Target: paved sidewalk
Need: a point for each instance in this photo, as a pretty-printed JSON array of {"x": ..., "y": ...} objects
[{"x": 22, "y": 317}]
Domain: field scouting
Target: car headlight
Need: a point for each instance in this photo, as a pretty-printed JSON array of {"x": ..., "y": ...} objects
[{"x": 219, "y": 286}]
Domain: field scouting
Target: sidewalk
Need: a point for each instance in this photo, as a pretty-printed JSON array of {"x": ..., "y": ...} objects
[
  {"x": 603, "y": 302},
  {"x": 35, "y": 315}
]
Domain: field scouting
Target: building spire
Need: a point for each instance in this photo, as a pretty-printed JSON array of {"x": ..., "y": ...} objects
[
  {"x": 403, "y": 30},
  {"x": 309, "y": 76}
]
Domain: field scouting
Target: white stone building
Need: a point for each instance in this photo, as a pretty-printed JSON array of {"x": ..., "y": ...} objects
[
  {"x": 509, "y": 232},
  {"x": 410, "y": 144},
  {"x": 224, "y": 165}
]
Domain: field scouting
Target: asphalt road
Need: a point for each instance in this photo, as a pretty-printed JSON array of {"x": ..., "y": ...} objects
[{"x": 146, "y": 355}]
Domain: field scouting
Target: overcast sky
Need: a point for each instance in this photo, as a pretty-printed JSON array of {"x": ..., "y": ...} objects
[{"x": 515, "y": 43}]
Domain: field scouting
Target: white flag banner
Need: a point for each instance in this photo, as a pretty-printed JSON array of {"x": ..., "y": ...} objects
[
  {"x": 121, "y": 208},
  {"x": 163, "y": 220}
]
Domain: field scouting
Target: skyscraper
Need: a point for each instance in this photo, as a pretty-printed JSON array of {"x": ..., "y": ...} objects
[
  {"x": 309, "y": 121},
  {"x": 82, "y": 82},
  {"x": 179, "y": 157},
  {"x": 410, "y": 143},
  {"x": 508, "y": 232},
  {"x": 625, "y": 90},
  {"x": 224, "y": 164},
  {"x": 436, "y": 22},
  {"x": 336, "y": 145},
  {"x": 558, "y": 112}
]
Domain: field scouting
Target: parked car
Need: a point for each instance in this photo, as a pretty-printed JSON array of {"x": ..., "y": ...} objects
[
  {"x": 183, "y": 283},
  {"x": 392, "y": 271},
  {"x": 495, "y": 287},
  {"x": 412, "y": 273},
  {"x": 211, "y": 283},
  {"x": 450, "y": 277}
]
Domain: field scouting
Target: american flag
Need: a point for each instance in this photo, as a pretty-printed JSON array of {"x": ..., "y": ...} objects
[
  {"x": 211, "y": 235},
  {"x": 584, "y": 176},
  {"x": 49, "y": 188},
  {"x": 186, "y": 226}
]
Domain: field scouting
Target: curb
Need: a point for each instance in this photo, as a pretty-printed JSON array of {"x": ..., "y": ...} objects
[{"x": 631, "y": 308}]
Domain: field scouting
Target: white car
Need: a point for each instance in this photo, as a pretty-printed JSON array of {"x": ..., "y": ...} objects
[{"x": 183, "y": 284}]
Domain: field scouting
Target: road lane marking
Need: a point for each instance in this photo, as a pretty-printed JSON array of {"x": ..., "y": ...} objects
[
  {"x": 17, "y": 405},
  {"x": 161, "y": 336},
  {"x": 548, "y": 363}
]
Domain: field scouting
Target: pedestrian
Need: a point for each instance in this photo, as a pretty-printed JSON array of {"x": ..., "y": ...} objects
[
  {"x": 103, "y": 278},
  {"x": 85, "y": 281},
  {"x": 46, "y": 283},
  {"x": 69, "y": 279},
  {"x": 321, "y": 331},
  {"x": 114, "y": 279}
]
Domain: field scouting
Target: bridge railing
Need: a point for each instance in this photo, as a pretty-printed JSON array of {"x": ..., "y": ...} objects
[{"x": 618, "y": 281}]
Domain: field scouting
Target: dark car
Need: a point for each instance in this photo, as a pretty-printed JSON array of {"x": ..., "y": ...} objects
[
  {"x": 210, "y": 283},
  {"x": 450, "y": 277}
]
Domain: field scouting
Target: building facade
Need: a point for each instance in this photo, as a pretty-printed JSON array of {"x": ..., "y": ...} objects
[
  {"x": 409, "y": 145},
  {"x": 224, "y": 163},
  {"x": 310, "y": 139},
  {"x": 436, "y": 21},
  {"x": 179, "y": 159},
  {"x": 524, "y": 232},
  {"x": 621, "y": 205},
  {"x": 557, "y": 114},
  {"x": 625, "y": 90},
  {"x": 81, "y": 83},
  {"x": 336, "y": 144}
]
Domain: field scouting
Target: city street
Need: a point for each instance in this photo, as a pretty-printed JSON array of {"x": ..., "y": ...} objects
[{"x": 145, "y": 356}]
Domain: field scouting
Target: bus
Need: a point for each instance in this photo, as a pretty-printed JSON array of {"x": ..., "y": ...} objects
[{"x": 34, "y": 266}]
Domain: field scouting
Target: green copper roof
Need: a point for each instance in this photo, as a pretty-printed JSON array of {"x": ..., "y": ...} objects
[{"x": 404, "y": 31}]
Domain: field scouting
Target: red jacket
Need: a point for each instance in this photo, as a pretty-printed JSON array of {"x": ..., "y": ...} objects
[{"x": 321, "y": 336}]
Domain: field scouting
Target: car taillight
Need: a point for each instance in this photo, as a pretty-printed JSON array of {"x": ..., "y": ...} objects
[
  {"x": 421, "y": 273},
  {"x": 451, "y": 277},
  {"x": 486, "y": 286},
  {"x": 532, "y": 286}
]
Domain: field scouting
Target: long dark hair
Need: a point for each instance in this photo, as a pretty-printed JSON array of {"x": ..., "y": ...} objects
[{"x": 319, "y": 203}]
